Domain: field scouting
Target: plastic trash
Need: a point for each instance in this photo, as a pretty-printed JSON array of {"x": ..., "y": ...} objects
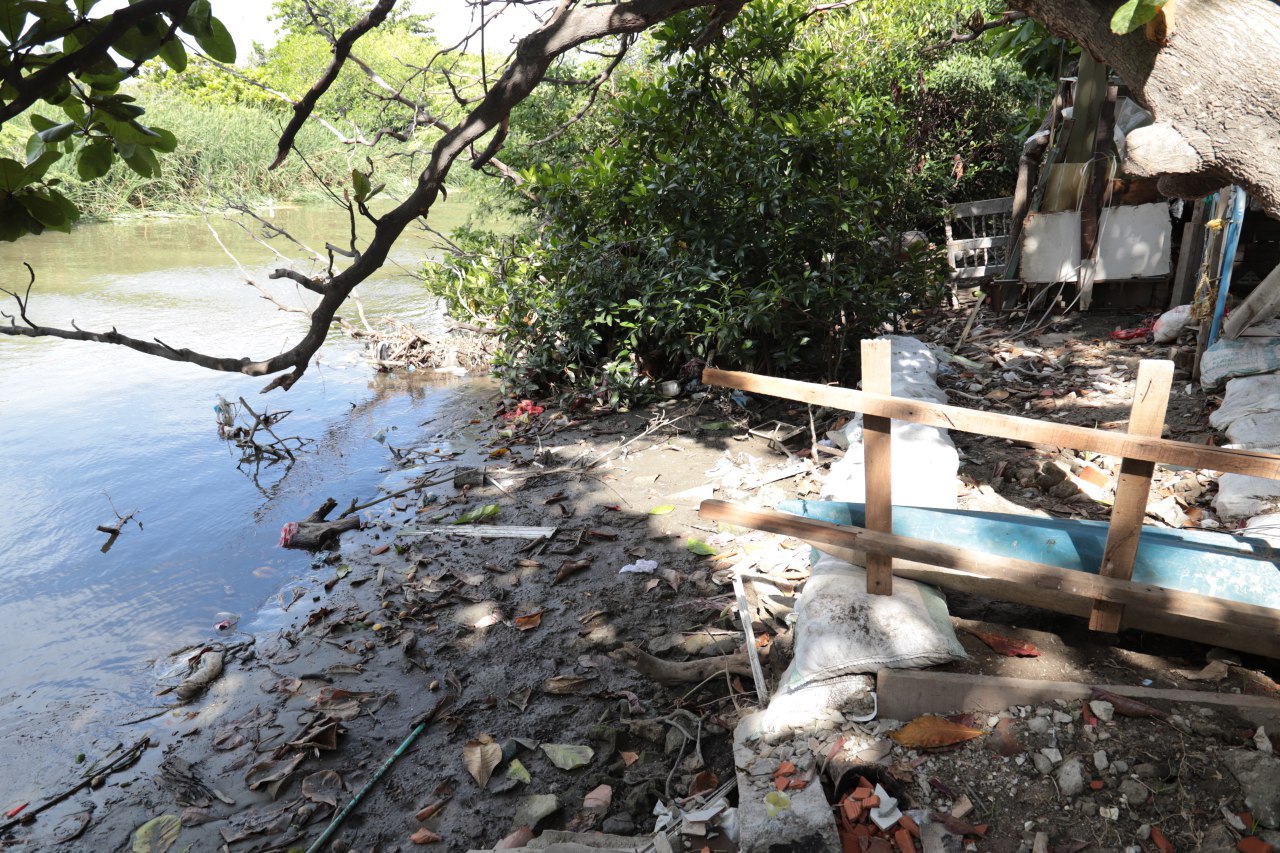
[
  {"x": 644, "y": 567},
  {"x": 225, "y": 411},
  {"x": 1171, "y": 324}
]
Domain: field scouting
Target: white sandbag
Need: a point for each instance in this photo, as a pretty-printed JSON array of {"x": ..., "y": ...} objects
[
  {"x": 1245, "y": 497},
  {"x": 1229, "y": 359},
  {"x": 842, "y": 630},
  {"x": 1265, "y": 527},
  {"x": 1171, "y": 324},
  {"x": 924, "y": 463},
  {"x": 925, "y": 460},
  {"x": 1247, "y": 396}
]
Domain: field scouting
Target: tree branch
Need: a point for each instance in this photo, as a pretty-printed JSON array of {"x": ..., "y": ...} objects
[
  {"x": 341, "y": 50},
  {"x": 569, "y": 27},
  {"x": 35, "y": 86}
]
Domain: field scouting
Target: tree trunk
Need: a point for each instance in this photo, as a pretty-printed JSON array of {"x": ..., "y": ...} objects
[{"x": 1213, "y": 87}]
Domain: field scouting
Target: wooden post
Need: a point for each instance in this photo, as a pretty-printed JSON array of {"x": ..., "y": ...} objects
[
  {"x": 1133, "y": 488},
  {"x": 877, "y": 377}
]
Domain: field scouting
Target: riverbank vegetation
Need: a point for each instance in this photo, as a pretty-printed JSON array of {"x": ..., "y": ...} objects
[
  {"x": 226, "y": 122},
  {"x": 751, "y": 200}
]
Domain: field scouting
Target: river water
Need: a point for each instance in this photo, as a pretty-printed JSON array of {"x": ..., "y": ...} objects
[{"x": 81, "y": 421}]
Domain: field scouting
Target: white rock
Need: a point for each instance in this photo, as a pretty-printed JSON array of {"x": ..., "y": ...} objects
[
  {"x": 1100, "y": 761},
  {"x": 1102, "y": 709}
]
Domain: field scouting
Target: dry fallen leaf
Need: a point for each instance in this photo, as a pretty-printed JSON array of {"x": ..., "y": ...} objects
[
  {"x": 929, "y": 732},
  {"x": 705, "y": 781},
  {"x": 571, "y": 567},
  {"x": 516, "y": 840},
  {"x": 430, "y": 809},
  {"x": 599, "y": 798},
  {"x": 425, "y": 836},
  {"x": 1127, "y": 707},
  {"x": 481, "y": 756},
  {"x": 324, "y": 786},
  {"x": 565, "y": 685},
  {"x": 1006, "y": 646},
  {"x": 529, "y": 621}
]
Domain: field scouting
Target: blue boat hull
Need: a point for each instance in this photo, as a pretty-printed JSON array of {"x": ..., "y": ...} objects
[{"x": 1215, "y": 564}]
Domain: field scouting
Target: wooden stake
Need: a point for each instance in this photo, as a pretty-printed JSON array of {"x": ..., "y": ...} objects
[
  {"x": 877, "y": 443},
  {"x": 1133, "y": 488}
]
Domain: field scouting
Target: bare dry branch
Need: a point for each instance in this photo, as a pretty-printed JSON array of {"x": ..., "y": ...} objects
[{"x": 341, "y": 49}]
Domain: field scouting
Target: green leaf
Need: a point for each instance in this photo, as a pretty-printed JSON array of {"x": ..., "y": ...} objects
[
  {"x": 12, "y": 18},
  {"x": 12, "y": 174},
  {"x": 45, "y": 210},
  {"x": 165, "y": 141},
  {"x": 478, "y": 514},
  {"x": 35, "y": 147},
  {"x": 1134, "y": 14},
  {"x": 95, "y": 159},
  {"x": 57, "y": 133},
  {"x": 174, "y": 55},
  {"x": 518, "y": 772},
  {"x": 702, "y": 549},
  {"x": 198, "y": 19},
  {"x": 662, "y": 510},
  {"x": 342, "y": 571},
  {"x": 218, "y": 43},
  {"x": 143, "y": 161},
  {"x": 39, "y": 122},
  {"x": 158, "y": 835},
  {"x": 360, "y": 182}
]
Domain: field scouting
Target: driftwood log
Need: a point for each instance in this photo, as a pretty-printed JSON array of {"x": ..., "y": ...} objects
[
  {"x": 682, "y": 672},
  {"x": 316, "y": 534}
]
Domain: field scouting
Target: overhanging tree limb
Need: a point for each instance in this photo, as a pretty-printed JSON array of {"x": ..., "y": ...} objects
[
  {"x": 568, "y": 28},
  {"x": 1211, "y": 83},
  {"x": 341, "y": 49}
]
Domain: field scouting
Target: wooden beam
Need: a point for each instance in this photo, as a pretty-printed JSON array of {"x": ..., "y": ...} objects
[
  {"x": 1216, "y": 621},
  {"x": 1260, "y": 305},
  {"x": 877, "y": 443},
  {"x": 1251, "y": 463},
  {"x": 1189, "y": 255},
  {"x": 1133, "y": 488}
]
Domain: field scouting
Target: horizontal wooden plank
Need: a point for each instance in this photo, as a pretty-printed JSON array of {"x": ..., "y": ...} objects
[
  {"x": 977, "y": 243},
  {"x": 1252, "y": 463},
  {"x": 1246, "y": 627},
  {"x": 904, "y": 694},
  {"x": 977, "y": 272},
  {"x": 982, "y": 208}
]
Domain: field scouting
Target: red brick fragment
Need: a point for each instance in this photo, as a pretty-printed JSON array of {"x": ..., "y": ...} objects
[
  {"x": 1254, "y": 844},
  {"x": 904, "y": 841},
  {"x": 910, "y": 825}
]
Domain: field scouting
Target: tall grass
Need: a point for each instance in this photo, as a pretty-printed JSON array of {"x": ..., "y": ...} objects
[{"x": 223, "y": 153}]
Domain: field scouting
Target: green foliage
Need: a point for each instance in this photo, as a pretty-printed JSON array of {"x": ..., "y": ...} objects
[
  {"x": 83, "y": 115},
  {"x": 1029, "y": 43},
  {"x": 972, "y": 116},
  {"x": 335, "y": 16},
  {"x": 748, "y": 207},
  {"x": 1133, "y": 14},
  {"x": 222, "y": 150}
]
